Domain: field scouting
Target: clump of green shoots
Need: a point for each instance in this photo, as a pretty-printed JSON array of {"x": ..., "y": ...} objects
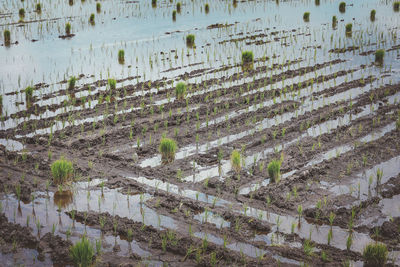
[
  {"x": 236, "y": 161},
  {"x": 7, "y": 37},
  {"x": 379, "y": 55},
  {"x": 68, "y": 28},
  {"x": 372, "y": 15},
  {"x": 62, "y": 170},
  {"x": 174, "y": 15},
  {"x": 375, "y": 255},
  {"x": 21, "y": 13},
  {"x": 178, "y": 7},
  {"x": 396, "y": 6},
  {"x": 71, "y": 83},
  {"x": 98, "y": 7},
  {"x": 121, "y": 56},
  {"x": 112, "y": 84},
  {"x": 274, "y": 170},
  {"x": 247, "y": 57},
  {"x": 154, "y": 3},
  {"x": 167, "y": 149},
  {"x": 91, "y": 19},
  {"x": 349, "y": 28},
  {"x": 334, "y": 21},
  {"x": 38, "y": 8},
  {"x": 207, "y": 8},
  {"x": 180, "y": 90},
  {"x": 28, "y": 95},
  {"x": 190, "y": 40},
  {"x": 82, "y": 253},
  {"x": 306, "y": 16},
  {"x": 342, "y": 7}
]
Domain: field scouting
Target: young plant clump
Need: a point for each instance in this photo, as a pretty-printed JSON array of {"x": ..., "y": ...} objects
[
  {"x": 306, "y": 16},
  {"x": 82, "y": 253},
  {"x": 379, "y": 55},
  {"x": 372, "y": 15},
  {"x": 190, "y": 40},
  {"x": 274, "y": 170},
  {"x": 91, "y": 19},
  {"x": 396, "y": 6},
  {"x": 71, "y": 83},
  {"x": 167, "y": 149},
  {"x": 174, "y": 15},
  {"x": 207, "y": 8},
  {"x": 7, "y": 37},
  {"x": 68, "y": 28},
  {"x": 28, "y": 95},
  {"x": 349, "y": 29},
  {"x": 121, "y": 56},
  {"x": 342, "y": 7},
  {"x": 62, "y": 170},
  {"x": 98, "y": 7},
  {"x": 180, "y": 90},
  {"x": 247, "y": 57},
  {"x": 178, "y": 7},
  {"x": 375, "y": 255},
  {"x": 236, "y": 161}
]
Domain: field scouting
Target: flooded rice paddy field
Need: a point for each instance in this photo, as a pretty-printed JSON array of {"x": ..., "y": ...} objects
[{"x": 314, "y": 98}]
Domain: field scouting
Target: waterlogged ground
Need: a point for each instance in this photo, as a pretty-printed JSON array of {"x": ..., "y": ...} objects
[{"x": 314, "y": 98}]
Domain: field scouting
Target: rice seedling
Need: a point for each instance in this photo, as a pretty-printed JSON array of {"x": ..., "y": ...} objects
[
  {"x": 7, "y": 37},
  {"x": 121, "y": 56},
  {"x": 306, "y": 16},
  {"x": 71, "y": 83},
  {"x": 167, "y": 149},
  {"x": 190, "y": 40},
  {"x": 112, "y": 84},
  {"x": 82, "y": 253},
  {"x": 334, "y": 21},
  {"x": 68, "y": 28},
  {"x": 317, "y": 2},
  {"x": 342, "y": 7},
  {"x": 379, "y": 55},
  {"x": 396, "y": 6},
  {"x": 21, "y": 13},
  {"x": 38, "y": 8},
  {"x": 236, "y": 161},
  {"x": 349, "y": 29},
  {"x": 174, "y": 15},
  {"x": 247, "y": 57},
  {"x": 375, "y": 255},
  {"x": 29, "y": 95},
  {"x": 207, "y": 8},
  {"x": 178, "y": 7},
  {"x": 98, "y": 7},
  {"x": 180, "y": 91},
  {"x": 154, "y": 3},
  {"x": 274, "y": 170},
  {"x": 62, "y": 170},
  {"x": 372, "y": 15},
  {"x": 91, "y": 19}
]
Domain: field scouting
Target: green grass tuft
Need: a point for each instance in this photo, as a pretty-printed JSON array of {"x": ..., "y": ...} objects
[
  {"x": 306, "y": 16},
  {"x": 82, "y": 253},
  {"x": 7, "y": 37},
  {"x": 190, "y": 40},
  {"x": 274, "y": 170},
  {"x": 379, "y": 55},
  {"x": 372, "y": 15},
  {"x": 247, "y": 57},
  {"x": 71, "y": 83},
  {"x": 375, "y": 255},
  {"x": 396, "y": 6},
  {"x": 121, "y": 56},
  {"x": 62, "y": 170},
  {"x": 236, "y": 161},
  {"x": 112, "y": 84},
  {"x": 167, "y": 149},
  {"x": 342, "y": 7},
  {"x": 180, "y": 90},
  {"x": 28, "y": 94}
]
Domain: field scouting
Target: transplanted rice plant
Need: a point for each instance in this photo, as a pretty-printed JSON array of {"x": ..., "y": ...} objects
[
  {"x": 68, "y": 28},
  {"x": 98, "y": 7},
  {"x": 349, "y": 29},
  {"x": 1, "y": 103},
  {"x": 112, "y": 84},
  {"x": 174, "y": 15},
  {"x": 28, "y": 94},
  {"x": 178, "y": 7},
  {"x": 372, "y": 15},
  {"x": 274, "y": 170},
  {"x": 154, "y": 3},
  {"x": 342, "y": 7},
  {"x": 190, "y": 40},
  {"x": 334, "y": 21},
  {"x": 82, "y": 253},
  {"x": 121, "y": 56},
  {"x": 247, "y": 57},
  {"x": 180, "y": 90},
  {"x": 7, "y": 37},
  {"x": 379, "y": 55},
  {"x": 62, "y": 170},
  {"x": 21, "y": 13},
  {"x": 167, "y": 149},
  {"x": 396, "y": 6},
  {"x": 38, "y": 8},
  {"x": 71, "y": 83},
  {"x": 91, "y": 19},
  {"x": 236, "y": 161},
  {"x": 375, "y": 255},
  {"x": 207, "y": 8},
  {"x": 306, "y": 16}
]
